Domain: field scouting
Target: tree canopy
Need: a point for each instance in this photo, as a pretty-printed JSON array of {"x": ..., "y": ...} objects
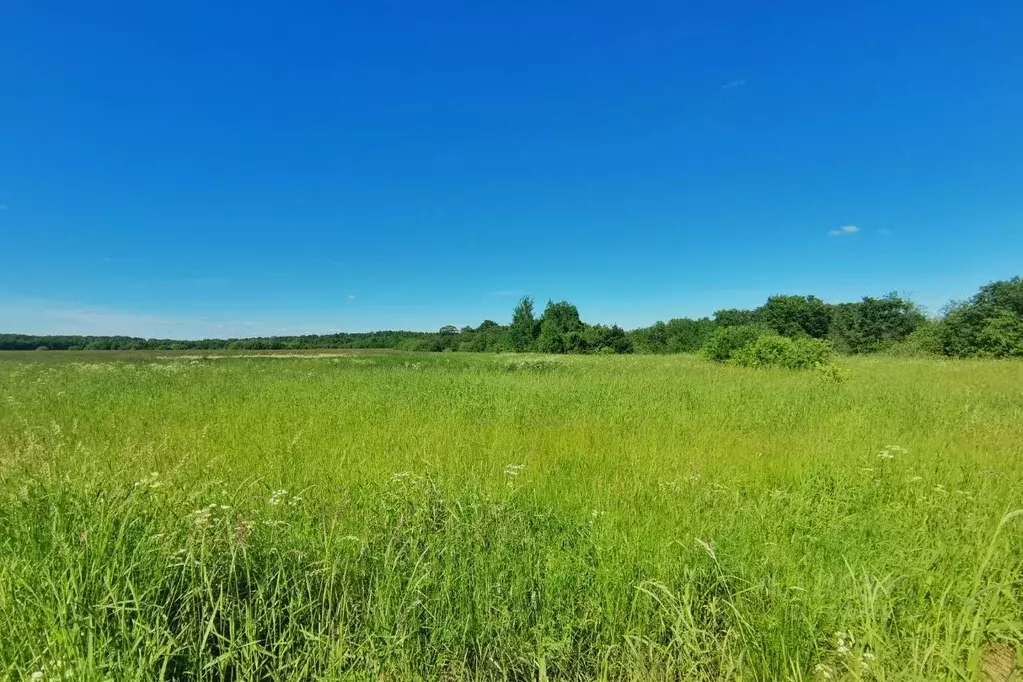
[{"x": 989, "y": 324}]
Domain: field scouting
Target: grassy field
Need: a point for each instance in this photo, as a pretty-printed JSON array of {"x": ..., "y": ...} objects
[{"x": 442, "y": 517}]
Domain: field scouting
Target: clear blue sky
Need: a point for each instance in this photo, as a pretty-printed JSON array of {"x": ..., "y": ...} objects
[{"x": 183, "y": 169}]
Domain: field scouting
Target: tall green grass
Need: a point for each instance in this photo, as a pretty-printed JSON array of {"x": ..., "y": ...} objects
[{"x": 506, "y": 518}]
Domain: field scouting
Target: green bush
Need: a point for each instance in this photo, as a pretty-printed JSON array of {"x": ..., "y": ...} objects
[
  {"x": 1002, "y": 336},
  {"x": 772, "y": 350},
  {"x": 808, "y": 353},
  {"x": 769, "y": 350},
  {"x": 924, "y": 341},
  {"x": 414, "y": 346},
  {"x": 829, "y": 371},
  {"x": 725, "y": 341},
  {"x": 990, "y": 324}
]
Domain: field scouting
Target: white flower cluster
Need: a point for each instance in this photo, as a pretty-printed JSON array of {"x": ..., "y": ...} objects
[
  {"x": 889, "y": 451},
  {"x": 152, "y": 481},
  {"x": 281, "y": 497},
  {"x": 845, "y": 646},
  {"x": 54, "y": 670}
]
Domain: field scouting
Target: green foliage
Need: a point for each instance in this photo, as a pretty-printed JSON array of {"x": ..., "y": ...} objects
[
  {"x": 561, "y": 331},
  {"x": 563, "y": 317},
  {"x": 725, "y": 341},
  {"x": 832, "y": 373},
  {"x": 987, "y": 325},
  {"x": 734, "y": 317},
  {"x": 766, "y": 350},
  {"x": 925, "y": 340},
  {"x": 415, "y": 345},
  {"x": 808, "y": 353},
  {"x": 1002, "y": 335},
  {"x": 550, "y": 339},
  {"x": 773, "y": 350},
  {"x": 680, "y": 335},
  {"x": 874, "y": 324},
  {"x": 524, "y": 329},
  {"x": 601, "y": 339},
  {"x": 795, "y": 316}
]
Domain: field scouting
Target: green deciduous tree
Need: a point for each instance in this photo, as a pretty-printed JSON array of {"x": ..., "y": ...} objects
[
  {"x": 524, "y": 328},
  {"x": 795, "y": 316},
  {"x": 873, "y": 324},
  {"x": 987, "y": 324}
]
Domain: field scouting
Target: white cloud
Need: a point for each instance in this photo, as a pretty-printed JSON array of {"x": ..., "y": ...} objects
[
  {"x": 845, "y": 229},
  {"x": 351, "y": 297},
  {"x": 731, "y": 85}
]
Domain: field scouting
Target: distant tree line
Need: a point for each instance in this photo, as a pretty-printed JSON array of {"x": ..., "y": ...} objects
[{"x": 990, "y": 324}]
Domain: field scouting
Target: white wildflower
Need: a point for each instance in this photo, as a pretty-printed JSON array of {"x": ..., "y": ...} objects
[
  {"x": 277, "y": 497},
  {"x": 823, "y": 671},
  {"x": 204, "y": 516},
  {"x": 512, "y": 470},
  {"x": 844, "y": 642},
  {"x": 889, "y": 451}
]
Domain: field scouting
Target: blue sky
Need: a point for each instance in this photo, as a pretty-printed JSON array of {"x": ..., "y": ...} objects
[{"x": 187, "y": 169}]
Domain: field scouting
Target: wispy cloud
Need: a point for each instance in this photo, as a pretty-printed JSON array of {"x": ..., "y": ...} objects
[
  {"x": 351, "y": 297},
  {"x": 844, "y": 230},
  {"x": 44, "y": 316},
  {"x": 34, "y": 316},
  {"x": 731, "y": 85}
]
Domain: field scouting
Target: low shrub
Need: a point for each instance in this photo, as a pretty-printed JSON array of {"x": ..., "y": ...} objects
[
  {"x": 829, "y": 371},
  {"x": 772, "y": 350},
  {"x": 925, "y": 340},
  {"x": 754, "y": 346},
  {"x": 725, "y": 341}
]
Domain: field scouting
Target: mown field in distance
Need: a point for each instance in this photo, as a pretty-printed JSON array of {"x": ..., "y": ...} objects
[{"x": 449, "y": 517}]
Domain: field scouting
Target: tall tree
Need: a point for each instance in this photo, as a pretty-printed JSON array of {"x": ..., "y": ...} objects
[
  {"x": 988, "y": 324},
  {"x": 795, "y": 316},
  {"x": 873, "y": 323},
  {"x": 524, "y": 328}
]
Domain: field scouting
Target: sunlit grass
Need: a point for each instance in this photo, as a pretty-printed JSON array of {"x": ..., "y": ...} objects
[{"x": 506, "y": 517}]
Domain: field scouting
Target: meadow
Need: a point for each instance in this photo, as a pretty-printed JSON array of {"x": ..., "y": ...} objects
[{"x": 507, "y": 517}]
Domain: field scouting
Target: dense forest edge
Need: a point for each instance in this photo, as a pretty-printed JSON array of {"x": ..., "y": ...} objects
[{"x": 989, "y": 324}]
